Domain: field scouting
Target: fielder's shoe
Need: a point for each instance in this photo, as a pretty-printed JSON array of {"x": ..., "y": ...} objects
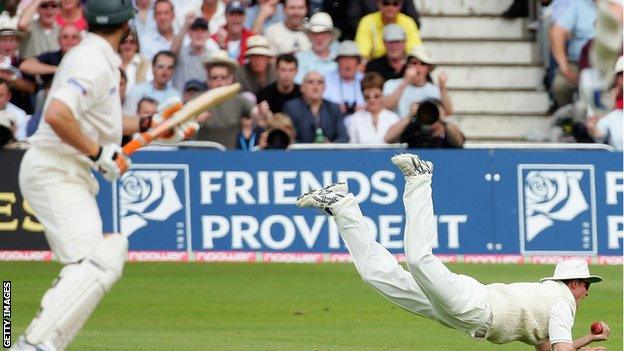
[
  {"x": 412, "y": 165},
  {"x": 23, "y": 345},
  {"x": 323, "y": 198}
]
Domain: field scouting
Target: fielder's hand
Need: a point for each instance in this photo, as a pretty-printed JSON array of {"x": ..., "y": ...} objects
[{"x": 111, "y": 161}]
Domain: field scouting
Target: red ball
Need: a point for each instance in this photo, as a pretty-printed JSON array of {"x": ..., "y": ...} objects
[{"x": 596, "y": 328}]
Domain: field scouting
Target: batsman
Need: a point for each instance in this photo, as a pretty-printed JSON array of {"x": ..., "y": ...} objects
[{"x": 81, "y": 129}]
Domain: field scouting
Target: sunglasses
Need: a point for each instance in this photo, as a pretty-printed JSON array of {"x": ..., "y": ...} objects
[
  {"x": 46, "y": 5},
  {"x": 587, "y": 284},
  {"x": 372, "y": 96},
  {"x": 391, "y": 3}
]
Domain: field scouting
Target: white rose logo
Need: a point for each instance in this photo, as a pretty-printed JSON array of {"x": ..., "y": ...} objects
[
  {"x": 551, "y": 196},
  {"x": 146, "y": 196}
]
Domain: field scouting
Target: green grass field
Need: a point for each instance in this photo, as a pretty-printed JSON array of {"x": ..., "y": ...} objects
[{"x": 187, "y": 306}]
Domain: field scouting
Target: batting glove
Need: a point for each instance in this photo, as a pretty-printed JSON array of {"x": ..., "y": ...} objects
[{"x": 111, "y": 161}]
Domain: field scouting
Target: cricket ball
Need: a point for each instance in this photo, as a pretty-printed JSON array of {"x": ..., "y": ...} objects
[{"x": 596, "y": 328}]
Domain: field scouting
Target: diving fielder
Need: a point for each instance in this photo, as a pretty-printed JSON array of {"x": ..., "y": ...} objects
[
  {"x": 81, "y": 129},
  {"x": 540, "y": 314}
]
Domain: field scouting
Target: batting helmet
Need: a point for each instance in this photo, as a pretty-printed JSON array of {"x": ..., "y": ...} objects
[{"x": 109, "y": 12}]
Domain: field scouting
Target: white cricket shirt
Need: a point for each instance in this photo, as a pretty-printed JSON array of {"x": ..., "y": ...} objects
[{"x": 87, "y": 82}]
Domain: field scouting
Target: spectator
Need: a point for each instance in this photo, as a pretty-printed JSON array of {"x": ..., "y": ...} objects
[
  {"x": 213, "y": 11},
  {"x": 369, "y": 35},
  {"x": 161, "y": 40},
  {"x": 316, "y": 119},
  {"x": 343, "y": 84},
  {"x": 12, "y": 113},
  {"x": 249, "y": 135},
  {"x": 71, "y": 13},
  {"x": 43, "y": 31},
  {"x": 123, "y": 84},
  {"x": 288, "y": 36},
  {"x": 426, "y": 127},
  {"x": 222, "y": 123},
  {"x": 45, "y": 65},
  {"x": 391, "y": 64},
  {"x": 284, "y": 88},
  {"x": 23, "y": 85},
  {"x": 608, "y": 129},
  {"x": 370, "y": 125},
  {"x": 258, "y": 71},
  {"x": 192, "y": 89},
  {"x": 143, "y": 22},
  {"x": 347, "y": 14},
  {"x": 263, "y": 14},
  {"x": 136, "y": 67},
  {"x": 10, "y": 15},
  {"x": 159, "y": 89},
  {"x": 571, "y": 29},
  {"x": 233, "y": 36},
  {"x": 190, "y": 56},
  {"x": 145, "y": 108},
  {"x": 279, "y": 133},
  {"x": 416, "y": 85},
  {"x": 319, "y": 58}
]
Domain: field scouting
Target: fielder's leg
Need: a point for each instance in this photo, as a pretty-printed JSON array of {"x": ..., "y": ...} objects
[
  {"x": 377, "y": 267},
  {"x": 459, "y": 300}
]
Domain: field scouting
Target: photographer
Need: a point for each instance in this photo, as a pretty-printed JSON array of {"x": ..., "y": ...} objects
[{"x": 426, "y": 128}]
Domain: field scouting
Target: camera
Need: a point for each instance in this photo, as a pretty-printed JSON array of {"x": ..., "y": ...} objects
[
  {"x": 419, "y": 132},
  {"x": 349, "y": 107}
]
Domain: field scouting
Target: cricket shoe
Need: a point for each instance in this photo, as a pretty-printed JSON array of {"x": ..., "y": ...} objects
[
  {"x": 23, "y": 345},
  {"x": 323, "y": 198},
  {"x": 411, "y": 165}
]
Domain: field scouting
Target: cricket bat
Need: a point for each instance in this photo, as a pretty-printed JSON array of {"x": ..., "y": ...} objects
[{"x": 189, "y": 111}]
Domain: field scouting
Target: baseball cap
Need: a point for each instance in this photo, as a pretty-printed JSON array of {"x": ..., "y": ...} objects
[
  {"x": 199, "y": 23},
  {"x": 348, "y": 48},
  {"x": 235, "y": 6},
  {"x": 196, "y": 85},
  {"x": 393, "y": 32},
  {"x": 573, "y": 269}
]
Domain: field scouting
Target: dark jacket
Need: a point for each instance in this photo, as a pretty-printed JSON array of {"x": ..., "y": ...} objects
[{"x": 330, "y": 120}]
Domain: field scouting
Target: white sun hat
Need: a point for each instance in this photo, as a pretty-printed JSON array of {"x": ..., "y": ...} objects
[{"x": 573, "y": 269}]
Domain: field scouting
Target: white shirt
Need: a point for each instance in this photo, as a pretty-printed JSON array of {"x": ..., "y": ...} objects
[
  {"x": 362, "y": 131},
  {"x": 153, "y": 43},
  {"x": 411, "y": 94},
  {"x": 340, "y": 91},
  {"x": 21, "y": 121},
  {"x": 147, "y": 90},
  {"x": 560, "y": 322},
  {"x": 611, "y": 126},
  {"x": 131, "y": 72},
  {"x": 182, "y": 7},
  {"x": 87, "y": 82},
  {"x": 284, "y": 40}
]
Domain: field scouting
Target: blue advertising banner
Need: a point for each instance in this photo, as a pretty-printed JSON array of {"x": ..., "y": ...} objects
[{"x": 495, "y": 202}]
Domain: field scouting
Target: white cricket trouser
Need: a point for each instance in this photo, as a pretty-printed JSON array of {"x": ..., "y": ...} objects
[
  {"x": 61, "y": 191},
  {"x": 430, "y": 288}
]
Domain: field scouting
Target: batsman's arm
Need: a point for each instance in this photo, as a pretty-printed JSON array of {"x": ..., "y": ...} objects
[{"x": 62, "y": 120}]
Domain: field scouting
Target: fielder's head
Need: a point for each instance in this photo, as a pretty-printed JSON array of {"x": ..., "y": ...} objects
[{"x": 575, "y": 274}]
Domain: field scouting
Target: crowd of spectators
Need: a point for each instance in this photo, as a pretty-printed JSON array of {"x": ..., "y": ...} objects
[
  {"x": 583, "y": 39},
  {"x": 311, "y": 71}
]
